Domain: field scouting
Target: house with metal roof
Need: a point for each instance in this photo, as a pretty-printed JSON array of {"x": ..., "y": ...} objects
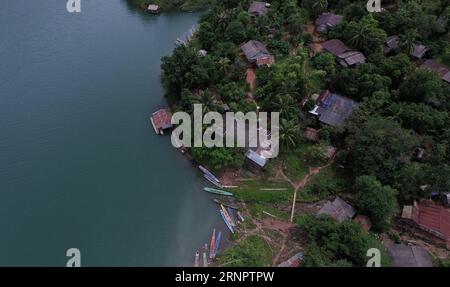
[
  {"x": 153, "y": 8},
  {"x": 311, "y": 134},
  {"x": 161, "y": 120},
  {"x": 417, "y": 50},
  {"x": 391, "y": 44},
  {"x": 338, "y": 209},
  {"x": 343, "y": 54},
  {"x": 441, "y": 69},
  {"x": 255, "y": 161},
  {"x": 327, "y": 21},
  {"x": 433, "y": 218},
  {"x": 258, "y": 8},
  {"x": 409, "y": 256},
  {"x": 257, "y": 53},
  {"x": 333, "y": 109}
]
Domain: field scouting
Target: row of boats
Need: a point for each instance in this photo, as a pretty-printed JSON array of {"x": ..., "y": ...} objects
[
  {"x": 213, "y": 249},
  {"x": 229, "y": 213}
]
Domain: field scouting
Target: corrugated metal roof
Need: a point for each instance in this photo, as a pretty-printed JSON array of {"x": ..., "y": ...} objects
[
  {"x": 338, "y": 209},
  {"x": 335, "y": 109},
  {"x": 335, "y": 47},
  {"x": 258, "y": 8},
  {"x": 409, "y": 256},
  {"x": 328, "y": 20},
  {"x": 254, "y": 49},
  {"x": 418, "y": 51},
  {"x": 352, "y": 58},
  {"x": 433, "y": 218},
  {"x": 441, "y": 69},
  {"x": 256, "y": 158}
]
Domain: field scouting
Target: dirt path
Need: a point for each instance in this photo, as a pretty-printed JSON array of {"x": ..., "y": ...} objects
[{"x": 302, "y": 183}]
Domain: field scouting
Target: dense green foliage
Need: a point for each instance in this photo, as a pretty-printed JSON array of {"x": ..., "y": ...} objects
[
  {"x": 377, "y": 201},
  {"x": 252, "y": 251},
  {"x": 338, "y": 244},
  {"x": 403, "y": 109}
]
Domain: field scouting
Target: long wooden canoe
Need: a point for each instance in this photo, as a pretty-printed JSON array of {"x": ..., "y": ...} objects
[
  {"x": 212, "y": 244},
  {"x": 226, "y": 221},
  {"x": 211, "y": 180},
  {"x": 217, "y": 191},
  {"x": 210, "y": 174}
]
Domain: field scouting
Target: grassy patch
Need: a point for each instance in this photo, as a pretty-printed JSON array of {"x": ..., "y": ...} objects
[
  {"x": 257, "y": 210},
  {"x": 297, "y": 162},
  {"x": 250, "y": 191},
  {"x": 252, "y": 251},
  {"x": 322, "y": 185}
]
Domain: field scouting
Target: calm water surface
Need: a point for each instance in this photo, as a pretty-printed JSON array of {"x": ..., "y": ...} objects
[{"x": 80, "y": 165}]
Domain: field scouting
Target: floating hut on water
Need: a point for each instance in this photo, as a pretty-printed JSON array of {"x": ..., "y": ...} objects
[
  {"x": 153, "y": 8},
  {"x": 161, "y": 120}
]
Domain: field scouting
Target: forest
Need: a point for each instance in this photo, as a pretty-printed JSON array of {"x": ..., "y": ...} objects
[{"x": 403, "y": 109}]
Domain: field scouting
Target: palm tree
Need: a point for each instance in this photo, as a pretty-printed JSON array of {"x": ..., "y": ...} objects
[
  {"x": 224, "y": 64},
  {"x": 407, "y": 40},
  {"x": 285, "y": 105},
  {"x": 358, "y": 33},
  {"x": 208, "y": 101},
  {"x": 289, "y": 132},
  {"x": 319, "y": 6}
]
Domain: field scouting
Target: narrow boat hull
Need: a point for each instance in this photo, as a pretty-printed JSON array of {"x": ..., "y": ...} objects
[
  {"x": 217, "y": 191},
  {"x": 226, "y": 221}
]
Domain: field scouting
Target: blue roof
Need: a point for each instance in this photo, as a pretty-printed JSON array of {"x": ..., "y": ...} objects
[{"x": 335, "y": 109}]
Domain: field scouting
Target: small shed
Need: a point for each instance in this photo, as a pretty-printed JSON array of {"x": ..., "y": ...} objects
[
  {"x": 256, "y": 52},
  {"x": 255, "y": 161},
  {"x": 330, "y": 151},
  {"x": 391, "y": 44},
  {"x": 311, "y": 134},
  {"x": 418, "y": 51},
  {"x": 333, "y": 109},
  {"x": 338, "y": 209},
  {"x": 364, "y": 221},
  {"x": 351, "y": 58},
  {"x": 344, "y": 54},
  {"x": 153, "y": 8},
  {"x": 441, "y": 69},
  {"x": 409, "y": 256},
  {"x": 327, "y": 21},
  {"x": 265, "y": 61},
  {"x": 258, "y": 8},
  {"x": 294, "y": 261},
  {"x": 335, "y": 47},
  {"x": 161, "y": 120}
]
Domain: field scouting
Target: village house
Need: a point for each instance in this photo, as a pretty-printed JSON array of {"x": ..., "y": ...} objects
[
  {"x": 344, "y": 55},
  {"x": 257, "y": 53},
  {"x": 409, "y": 256},
  {"x": 161, "y": 120},
  {"x": 294, "y": 261},
  {"x": 312, "y": 134},
  {"x": 430, "y": 217},
  {"x": 327, "y": 21},
  {"x": 442, "y": 70},
  {"x": 153, "y": 8},
  {"x": 333, "y": 109},
  {"x": 258, "y": 9},
  {"x": 417, "y": 50},
  {"x": 329, "y": 152},
  {"x": 364, "y": 221},
  {"x": 338, "y": 209},
  {"x": 254, "y": 161},
  {"x": 391, "y": 44}
]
